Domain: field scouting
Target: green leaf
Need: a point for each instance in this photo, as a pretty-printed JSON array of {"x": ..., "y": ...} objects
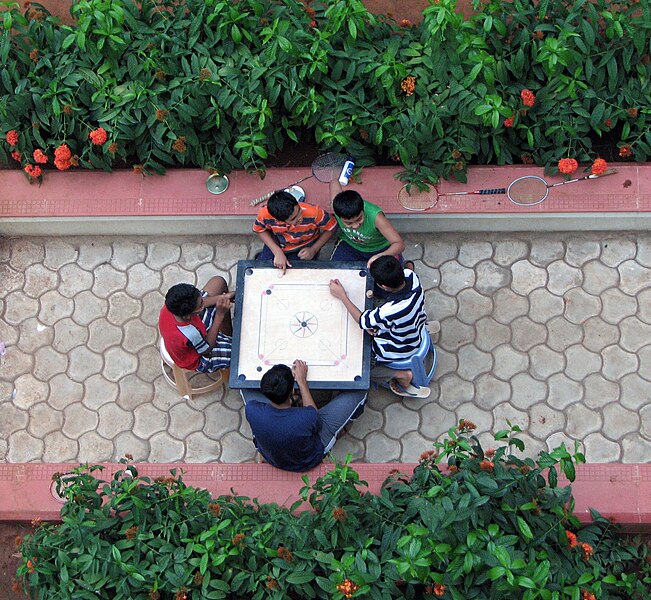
[{"x": 524, "y": 528}]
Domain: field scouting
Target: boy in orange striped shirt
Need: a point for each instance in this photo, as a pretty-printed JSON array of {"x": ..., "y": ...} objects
[{"x": 292, "y": 230}]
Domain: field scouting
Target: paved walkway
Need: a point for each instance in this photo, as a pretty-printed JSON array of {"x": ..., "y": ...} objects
[{"x": 551, "y": 332}]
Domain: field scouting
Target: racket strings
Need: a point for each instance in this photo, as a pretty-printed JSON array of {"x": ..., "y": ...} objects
[
  {"x": 528, "y": 190},
  {"x": 416, "y": 199},
  {"x": 327, "y": 167}
]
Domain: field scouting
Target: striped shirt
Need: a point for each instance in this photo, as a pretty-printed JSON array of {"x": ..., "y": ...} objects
[
  {"x": 398, "y": 322},
  {"x": 290, "y": 238}
]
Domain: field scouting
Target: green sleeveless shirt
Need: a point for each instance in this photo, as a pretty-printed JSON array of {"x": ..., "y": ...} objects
[{"x": 367, "y": 238}]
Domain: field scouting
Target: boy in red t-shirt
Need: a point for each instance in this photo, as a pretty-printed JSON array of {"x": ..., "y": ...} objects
[
  {"x": 292, "y": 230},
  {"x": 196, "y": 325}
]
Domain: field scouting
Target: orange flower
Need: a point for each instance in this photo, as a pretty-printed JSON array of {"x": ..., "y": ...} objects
[
  {"x": 138, "y": 169},
  {"x": 63, "y": 152},
  {"x": 539, "y": 35},
  {"x": 160, "y": 75},
  {"x": 16, "y": 156},
  {"x": 632, "y": 112},
  {"x": 31, "y": 565},
  {"x": 571, "y": 539},
  {"x": 486, "y": 465},
  {"x": 526, "y": 158},
  {"x": 528, "y": 98},
  {"x": 198, "y": 578},
  {"x": 33, "y": 55},
  {"x": 312, "y": 24},
  {"x": 585, "y": 595},
  {"x": 204, "y": 74},
  {"x": 347, "y": 588},
  {"x": 599, "y": 166},
  {"x": 40, "y": 157},
  {"x": 154, "y": 595},
  {"x": 62, "y": 165},
  {"x": 489, "y": 453},
  {"x": 459, "y": 165},
  {"x": 588, "y": 551},
  {"x": 179, "y": 144},
  {"x": 33, "y": 171},
  {"x": 181, "y": 594},
  {"x": 12, "y": 137},
  {"x": 215, "y": 509},
  {"x": 339, "y": 514},
  {"x": 98, "y": 136},
  {"x": 405, "y": 23},
  {"x": 285, "y": 554},
  {"x": 608, "y": 123},
  {"x": 467, "y": 425},
  {"x": 67, "y": 109},
  {"x": 626, "y": 151},
  {"x": 272, "y": 584},
  {"x": 455, "y": 154},
  {"x": 437, "y": 589},
  {"x": 428, "y": 455},
  {"x": 408, "y": 85},
  {"x": 567, "y": 166},
  {"x": 113, "y": 148},
  {"x": 310, "y": 11},
  {"x": 238, "y": 538},
  {"x": 130, "y": 533},
  {"x": 161, "y": 114},
  {"x": 508, "y": 122}
]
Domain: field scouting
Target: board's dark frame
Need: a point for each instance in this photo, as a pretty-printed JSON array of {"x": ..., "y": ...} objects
[{"x": 236, "y": 383}]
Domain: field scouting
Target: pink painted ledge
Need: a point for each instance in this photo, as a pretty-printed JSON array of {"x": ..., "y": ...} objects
[
  {"x": 618, "y": 491},
  {"x": 183, "y": 192}
]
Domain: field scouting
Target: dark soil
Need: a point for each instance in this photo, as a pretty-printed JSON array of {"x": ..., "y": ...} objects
[{"x": 10, "y": 558}]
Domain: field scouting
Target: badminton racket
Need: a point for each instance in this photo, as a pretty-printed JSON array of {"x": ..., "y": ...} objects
[
  {"x": 524, "y": 191},
  {"x": 531, "y": 189},
  {"x": 325, "y": 168}
]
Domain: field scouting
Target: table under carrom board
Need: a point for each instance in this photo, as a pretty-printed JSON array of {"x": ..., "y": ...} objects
[{"x": 281, "y": 319}]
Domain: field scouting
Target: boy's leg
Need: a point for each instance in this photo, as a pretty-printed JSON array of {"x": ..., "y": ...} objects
[
  {"x": 220, "y": 355},
  {"x": 215, "y": 286},
  {"x": 344, "y": 252},
  {"x": 335, "y": 415},
  {"x": 208, "y": 314}
]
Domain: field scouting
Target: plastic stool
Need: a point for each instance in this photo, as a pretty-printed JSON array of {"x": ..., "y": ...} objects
[
  {"x": 419, "y": 364},
  {"x": 181, "y": 377}
]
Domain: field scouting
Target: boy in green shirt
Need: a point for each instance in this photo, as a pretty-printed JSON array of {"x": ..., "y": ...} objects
[{"x": 364, "y": 231}]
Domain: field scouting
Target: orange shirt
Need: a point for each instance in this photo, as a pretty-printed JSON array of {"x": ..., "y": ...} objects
[{"x": 290, "y": 238}]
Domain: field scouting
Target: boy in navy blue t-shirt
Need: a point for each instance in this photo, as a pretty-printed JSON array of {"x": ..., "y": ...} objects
[{"x": 296, "y": 438}]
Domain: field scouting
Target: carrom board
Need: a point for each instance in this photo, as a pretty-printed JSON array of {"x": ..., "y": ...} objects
[{"x": 281, "y": 319}]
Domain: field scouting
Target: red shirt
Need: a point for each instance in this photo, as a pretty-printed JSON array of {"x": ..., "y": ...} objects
[
  {"x": 313, "y": 221},
  {"x": 179, "y": 344}
]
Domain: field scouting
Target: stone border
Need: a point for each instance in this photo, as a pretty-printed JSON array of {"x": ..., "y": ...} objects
[
  {"x": 122, "y": 203},
  {"x": 619, "y": 492}
]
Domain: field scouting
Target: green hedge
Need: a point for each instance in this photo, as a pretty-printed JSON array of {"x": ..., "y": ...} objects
[
  {"x": 490, "y": 526},
  {"x": 226, "y": 85}
]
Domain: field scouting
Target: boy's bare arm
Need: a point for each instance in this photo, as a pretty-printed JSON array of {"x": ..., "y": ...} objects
[
  {"x": 299, "y": 369},
  {"x": 335, "y": 188},
  {"x": 396, "y": 243},
  {"x": 310, "y": 252},
  {"x": 338, "y": 291},
  {"x": 280, "y": 260}
]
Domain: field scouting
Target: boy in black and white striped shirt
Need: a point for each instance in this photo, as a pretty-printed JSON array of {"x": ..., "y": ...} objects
[{"x": 395, "y": 325}]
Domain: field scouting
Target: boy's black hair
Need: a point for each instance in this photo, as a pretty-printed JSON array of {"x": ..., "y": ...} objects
[
  {"x": 277, "y": 383},
  {"x": 181, "y": 299},
  {"x": 281, "y": 205},
  {"x": 348, "y": 204},
  {"x": 388, "y": 271}
]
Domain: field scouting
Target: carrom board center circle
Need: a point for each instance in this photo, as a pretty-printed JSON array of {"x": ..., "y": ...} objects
[{"x": 303, "y": 324}]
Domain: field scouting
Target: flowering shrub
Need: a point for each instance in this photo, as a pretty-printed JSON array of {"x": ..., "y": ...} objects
[
  {"x": 490, "y": 525},
  {"x": 226, "y": 85}
]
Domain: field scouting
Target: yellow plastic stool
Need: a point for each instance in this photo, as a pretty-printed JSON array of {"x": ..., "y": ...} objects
[{"x": 181, "y": 378}]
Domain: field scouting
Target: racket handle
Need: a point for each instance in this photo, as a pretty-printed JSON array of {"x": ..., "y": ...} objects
[
  {"x": 346, "y": 171},
  {"x": 493, "y": 191},
  {"x": 261, "y": 199}
]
